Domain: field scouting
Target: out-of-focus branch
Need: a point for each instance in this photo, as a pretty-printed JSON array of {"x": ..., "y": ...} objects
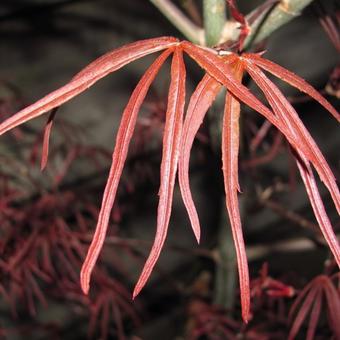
[
  {"x": 312, "y": 228},
  {"x": 291, "y": 215},
  {"x": 217, "y": 29},
  {"x": 137, "y": 243},
  {"x": 180, "y": 21},
  {"x": 191, "y": 8}
]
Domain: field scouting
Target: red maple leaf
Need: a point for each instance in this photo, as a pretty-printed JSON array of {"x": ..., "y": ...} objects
[
  {"x": 223, "y": 69},
  {"x": 310, "y": 301}
]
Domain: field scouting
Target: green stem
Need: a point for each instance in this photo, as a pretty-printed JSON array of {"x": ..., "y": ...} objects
[
  {"x": 191, "y": 31},
  {"x": 214, "y": 17},
  {"x": 226, "y": 267},
  {"x": 218, "y": 29}
]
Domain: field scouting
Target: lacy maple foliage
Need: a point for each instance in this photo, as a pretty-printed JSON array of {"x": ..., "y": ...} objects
[
  {"x": 310, "y": 302},
  {"x": 222, "y": 69}
]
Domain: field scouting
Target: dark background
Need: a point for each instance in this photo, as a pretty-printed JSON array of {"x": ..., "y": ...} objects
[{"x": 44, "y": 43}]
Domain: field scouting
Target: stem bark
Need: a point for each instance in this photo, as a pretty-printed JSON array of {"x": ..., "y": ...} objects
[{"x": 214, "y": 18}]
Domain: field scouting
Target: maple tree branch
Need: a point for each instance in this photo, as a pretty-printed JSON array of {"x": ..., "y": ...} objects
[
  {"x": 291, "y": 216},
  {"x": 284, "y": 12},
  {"x": 214, "y": 18},
  {"x": 217, "y": 29},
  {"x": 191, "y": 31},
  {"x": 226, "y": 265},
  {"x": 137, "y": 243},
  {"x": 192, "y": 10}
]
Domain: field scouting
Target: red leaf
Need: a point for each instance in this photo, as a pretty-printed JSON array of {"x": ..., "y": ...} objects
[
  {"x": 200, "y": 101},
  {"x": 230, "y": 150},
  {"x": 302, "y": 314},
  {"x": 293, "y": 80},
  {"x": 318, "y": 207},
  {"x": 219, "y": 70},
  {"x": 123, "y": 138},
  {"x": 236, "y": 14},
  {"x": 46, "y": 140},
  {"x": 72, "y": 154},
  {"x": 333, "y": 306},
  {"x": 171, "y": 147},
  {"x": 331, "y": 26},
  {"x": 302, "y": 140},
  {"x": 315, "y": 314},
  {"x": 239, "y": 17},
  {"x": 313, "y": 294},
  {"x": 98, "y": 69}
]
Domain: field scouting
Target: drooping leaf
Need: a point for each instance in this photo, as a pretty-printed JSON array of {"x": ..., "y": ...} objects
[
  {"x": 200, "y": 101},
  {"x": 306, "y": 173},
  {"x": 303, "y": 140},
  {"x": 230, "y": 151},
  {"x": 302, "y": 313},
  {"x": 46, "y": 139},
  {"x": 123, "y": 138},
  {"x": 124, "y": 55},
  {"x": 98, "y": 69},
  {"x": 293, "y": 80},
  {"x": 314, "y": 316},
  {"x": 331, "y": 26},
  {"x": 171, "y": 146},
  {"x": 320, "y": 289},
  {"x": 219, "y": 69},
  {"x": 333, "y": 306}
]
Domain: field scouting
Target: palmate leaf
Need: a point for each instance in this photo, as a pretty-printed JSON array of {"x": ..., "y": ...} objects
[
  {"x": 310, "y": 301},
  {"x": 222, "y": 69},
  {"x": 124, "y": 136},
  {"x": 219, "y": 70},
  {"x": 171, "y": 149},
  {"x": 304, "y": 310},
  {"x": 290, "y": 125},
  {"x": 315, "y": 314},
  {"x": 333, "y": 306}
]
